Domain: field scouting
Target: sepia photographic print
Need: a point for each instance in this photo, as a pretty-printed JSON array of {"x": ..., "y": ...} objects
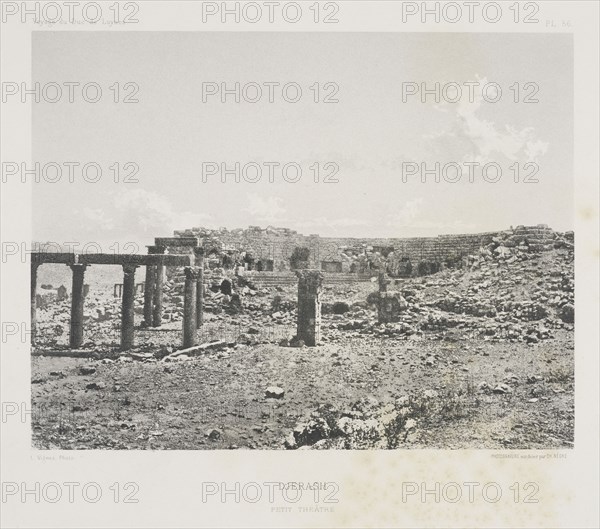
[{"x": 256, "y": 232}]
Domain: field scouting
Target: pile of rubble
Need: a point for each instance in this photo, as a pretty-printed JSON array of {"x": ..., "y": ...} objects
[
  {"x": 519, "y": 287},
  {"x": 366, "y": 424}
]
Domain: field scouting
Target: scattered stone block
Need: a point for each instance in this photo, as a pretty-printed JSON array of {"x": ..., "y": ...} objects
[
  {"x": 96, "y": 385},
  {"x": 274, "y": 392}
]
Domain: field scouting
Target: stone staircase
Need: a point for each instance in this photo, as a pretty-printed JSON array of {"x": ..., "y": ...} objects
[{"x": 273, "y": 279}]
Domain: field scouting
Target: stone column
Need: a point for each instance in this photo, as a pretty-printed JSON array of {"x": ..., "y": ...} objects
[
  {"x": 189, "y": 307},
  {"x": 34, "y": 267},
  {"x": 309, "y": 306},
  {"x": 76, "y": 333},
  {"x": 149, "y": 294},
  {"x": 127, "y": 312},
  {"x": 199, "y": 262},
  {"x": 158, "y": 290}
]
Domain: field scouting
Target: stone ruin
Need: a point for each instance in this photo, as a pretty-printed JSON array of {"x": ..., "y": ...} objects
[
  {"x": 283, "y": 250},
  {"x": 52, "y": 295},
  {"x": 183, "y": 259},
  {"x": 310, "y": 284},
  {"x": 154, "y": 264},
  {"x": 390, "y": 303}
]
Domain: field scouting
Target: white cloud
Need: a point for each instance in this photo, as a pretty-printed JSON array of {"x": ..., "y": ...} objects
[{"x": 483, "y": 140}]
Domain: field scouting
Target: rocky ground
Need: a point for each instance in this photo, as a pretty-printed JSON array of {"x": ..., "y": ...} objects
[{"x": 481, "y": 357}]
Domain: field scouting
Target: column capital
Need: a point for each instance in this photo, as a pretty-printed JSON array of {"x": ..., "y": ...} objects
[
  {"x": 77, "y": 266},
  {"x": 199, "y": 251},
  {"x": 310, "y": 277},
  {"x": 191, "y": 273},
  {"x": 129, "y": 268}
]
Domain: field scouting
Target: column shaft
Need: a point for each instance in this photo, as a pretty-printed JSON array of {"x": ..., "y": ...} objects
[
  {"x": 199, "y": 261},
  {"x": 149, "y": 294},
  {"x": 309, "y": 306},
  {"x": 189, "y": 307},
  {"x": 76, "y": 333},
  {"x": 158, "y": 295},
  {"x": 127, "y": 309},
  {"x": 200, "y": 299}
]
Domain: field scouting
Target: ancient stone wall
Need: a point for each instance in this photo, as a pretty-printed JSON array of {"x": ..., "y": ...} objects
[{"x": 273, "y": 247}]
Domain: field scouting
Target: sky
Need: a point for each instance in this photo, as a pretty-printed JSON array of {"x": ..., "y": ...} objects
[{"x": 370, "y": 133}]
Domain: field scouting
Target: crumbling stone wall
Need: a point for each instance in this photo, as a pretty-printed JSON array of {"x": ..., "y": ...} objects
[{"x": 273, "y": 248}]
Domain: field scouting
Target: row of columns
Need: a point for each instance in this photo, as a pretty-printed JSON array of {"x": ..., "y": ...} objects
[
  {"x": 309, "y": 302},
  {"x": 193, "y": 301}
]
